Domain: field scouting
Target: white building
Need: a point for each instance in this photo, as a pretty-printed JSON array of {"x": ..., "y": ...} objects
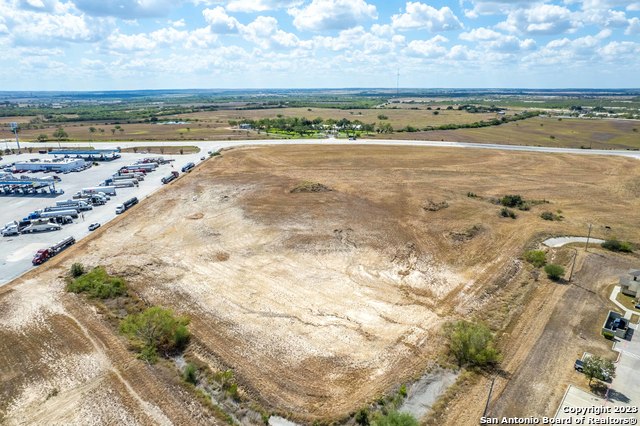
[{"x": 56, "y": 166}]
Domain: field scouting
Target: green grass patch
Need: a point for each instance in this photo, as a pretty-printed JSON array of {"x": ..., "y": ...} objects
[{"x": 98, "y": 284}]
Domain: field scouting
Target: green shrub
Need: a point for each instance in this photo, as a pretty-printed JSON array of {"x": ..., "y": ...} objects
[
  {"x": 505, "y": 212},
  {"x": 156, "y": 330},
  {"x": 550, "y": 216},
  {"x": 471, "y": 344},
  {"x": 615, "y": 245},
  {"x": 394, "y": 418},
  {"x": 190, "y": 374},
  {"x": 554, "y": 271},
  {"x": 511, "y": 201},
  {"x": 362, "y": 417},
  {"x": 77, "y": 269},
  {"x": 537, "y": 258},
  {"x": 98, "y": 283}
]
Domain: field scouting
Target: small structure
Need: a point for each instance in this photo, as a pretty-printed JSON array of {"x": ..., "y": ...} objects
[
  {"x": 630, "y": 283},
  {"x": 615, "y": 326}
]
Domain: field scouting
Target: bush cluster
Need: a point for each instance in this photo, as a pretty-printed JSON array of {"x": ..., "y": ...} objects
[
  {"x": 471, "y": 344},
  {"x": 537, "y": 258},
  {"x": 156, "y": 330},
  {"x": 96, "y": 283},
  {"x": 553, "y": 271},
  {"x": 505, "y": 212},
  {"x": 615, "y": 245}
]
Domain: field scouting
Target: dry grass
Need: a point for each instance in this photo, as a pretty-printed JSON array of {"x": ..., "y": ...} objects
[
  {"x": 327, "y": 300},
  {"x": 567, "y": 133}
]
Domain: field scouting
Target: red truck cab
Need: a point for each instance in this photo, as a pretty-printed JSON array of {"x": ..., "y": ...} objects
[{"x": 40, "y": 256}]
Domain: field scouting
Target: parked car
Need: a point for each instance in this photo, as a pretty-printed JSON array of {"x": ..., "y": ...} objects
[
  {"x": 578, "y": 365},
  {"x": 94, "y": 226}
]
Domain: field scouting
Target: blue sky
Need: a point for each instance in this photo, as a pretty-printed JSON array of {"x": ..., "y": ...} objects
[{"x": 156, "y": 44}]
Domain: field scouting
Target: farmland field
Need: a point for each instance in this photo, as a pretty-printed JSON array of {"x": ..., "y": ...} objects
[{"x": 319, "y": 301}]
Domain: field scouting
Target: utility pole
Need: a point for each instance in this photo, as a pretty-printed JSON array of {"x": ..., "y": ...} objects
[
  {"x": 586, "y": 246},
  {"x": 14, "y": 127},
  {"x": 398, "y": 83},
  {"x": 575, "y": 255}
]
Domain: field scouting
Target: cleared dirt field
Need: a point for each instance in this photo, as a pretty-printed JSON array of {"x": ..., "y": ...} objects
[
  {"x": 319, "y": 301},
  {"x": 539, "y": 131}
]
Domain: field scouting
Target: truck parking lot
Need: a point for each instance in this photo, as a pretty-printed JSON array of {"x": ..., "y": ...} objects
[{"x": 16, "y": 252}]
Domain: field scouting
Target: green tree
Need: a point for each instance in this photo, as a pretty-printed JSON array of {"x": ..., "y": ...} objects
[
  {"x": 595, "y": 367},
  {"x": 98, "y": 283},
  {"x": 42, "y": 137},
  {"x": 537, "y": 258},
  {"x": 60, "y": 134},
  {"x": 554, "y": 271},
  {"x": 92, "y": 129},
  {"x": 156, "y": 330},
  {"x": 615, "y": 245},
  {"x": 471, "y": 344},
  {"x": 395, "y": 418}
]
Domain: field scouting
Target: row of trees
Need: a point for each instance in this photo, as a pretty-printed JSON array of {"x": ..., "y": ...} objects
[{"x": 304, "y": 126}]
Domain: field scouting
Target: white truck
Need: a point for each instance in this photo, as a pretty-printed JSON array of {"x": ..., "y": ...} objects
[
  {"x": 10, "y": 229},
  {"x": 71, "y": 204},
  {"x": 109, "y": 190},
  {"x": 40, "y": 225}
]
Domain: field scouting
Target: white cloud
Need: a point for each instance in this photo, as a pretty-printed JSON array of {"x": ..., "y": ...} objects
[
  {"x": 321, "y": 15},
  {"x": 180, "y": 23},
  {"x": 427, "y": 48},
  {"x": 617, "y": 49},
  {"x": 264, "y": 32},
  {"x": 250, "y": 6},
  {"x": 539, "y": 19},
  {"x": 420, "y": 15},
  {"x": 480, "y": 33},
  {"x": 357, "y": 39},
  {"x": 634, "y": 27},
  {"x": 220, "y": 22}
]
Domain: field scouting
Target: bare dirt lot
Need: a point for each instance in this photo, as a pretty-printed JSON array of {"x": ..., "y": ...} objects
[{"x": 319, "y": 297}]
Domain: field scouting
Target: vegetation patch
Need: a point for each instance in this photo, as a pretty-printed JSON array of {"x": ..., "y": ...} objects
[
  {"x": 505, "y": 212},
  {"x": 433, "y": 206},
  {"x": 471, "y": 344},
  {"x": 619, "y": 246},
  {"x": 466, "y": 235},
  {"x": 551, "y": 216},
  {"x": 308, "y": 186},
  {"x": 537, "y": 258},
  {"x": 97, "y": 283},
  {"x": 554, "y": 272},
  {"x": 155, "y": 331}
]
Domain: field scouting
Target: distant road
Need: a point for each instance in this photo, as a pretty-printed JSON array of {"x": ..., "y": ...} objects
[{"x": 215, "y": 145}]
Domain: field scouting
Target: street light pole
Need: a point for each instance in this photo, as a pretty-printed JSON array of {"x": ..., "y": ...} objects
[{"x": 586, "y": 246}]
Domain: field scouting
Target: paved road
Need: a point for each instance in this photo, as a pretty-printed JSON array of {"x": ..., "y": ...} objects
[
  {"x": 215, "y": 145},
  {"x": 561, "y": 241}
]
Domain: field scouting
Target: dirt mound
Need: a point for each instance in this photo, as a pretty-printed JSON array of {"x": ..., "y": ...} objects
[{"x": 310, "y": 187}]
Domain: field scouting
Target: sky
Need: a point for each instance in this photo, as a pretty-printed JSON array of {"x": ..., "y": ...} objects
[{"x": 184, "y": 44}]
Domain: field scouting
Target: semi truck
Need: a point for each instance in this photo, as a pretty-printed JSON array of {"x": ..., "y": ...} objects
[
  {"x": 127, "y": 176},
  {"x": 74, "y": 204},
  {"x": 108, "y": 190},
  {"x": 188, "y": 167},
  {"x": 144, "y": 166},
  {"x": 168, "y": 178},
  {"x": 10, "y": 229},
  {"x": 121, "y": 208},
  {"x": 41, "y": 225},
  {"x": 43, "y": 255},
  {"x": 123, "y": 183},
  {"x": 40, "y": 214}
]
